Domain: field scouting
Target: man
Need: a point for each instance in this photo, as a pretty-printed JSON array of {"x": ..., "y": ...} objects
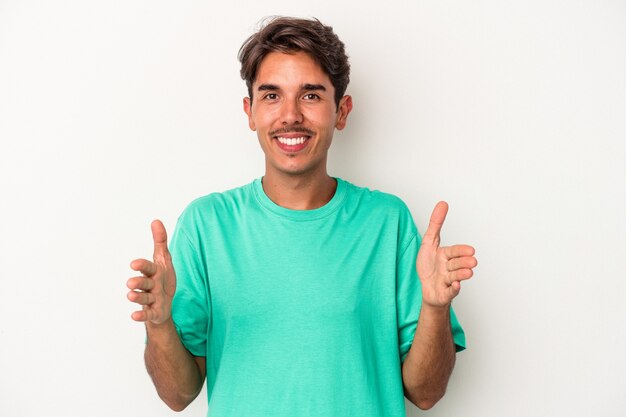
[{"x": 298, "y": 294}]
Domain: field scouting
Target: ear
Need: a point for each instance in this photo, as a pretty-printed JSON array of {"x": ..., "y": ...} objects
[
  {"x": 247, "y": 108},
  {"x": 344, "y": 109}
]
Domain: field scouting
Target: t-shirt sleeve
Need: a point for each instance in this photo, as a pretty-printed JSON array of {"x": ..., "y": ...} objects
[
  {"x": 409, "y": 296},
  {"x": 191, "y": 304}
]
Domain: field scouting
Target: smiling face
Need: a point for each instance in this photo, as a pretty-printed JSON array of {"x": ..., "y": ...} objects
[{"x": 294, "y": 114}]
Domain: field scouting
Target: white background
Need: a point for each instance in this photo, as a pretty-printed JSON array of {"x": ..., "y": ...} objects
[{"x": 114, "y": 113}]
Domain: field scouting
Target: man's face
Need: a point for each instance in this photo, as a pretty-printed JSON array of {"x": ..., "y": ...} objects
[{"x": 294, "y": 114}]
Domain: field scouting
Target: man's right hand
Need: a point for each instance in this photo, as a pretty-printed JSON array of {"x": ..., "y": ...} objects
[{"x": 155, "y": 289}]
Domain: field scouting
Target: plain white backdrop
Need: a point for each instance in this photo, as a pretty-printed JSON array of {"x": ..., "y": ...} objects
[{"x": 115, "y": 113}]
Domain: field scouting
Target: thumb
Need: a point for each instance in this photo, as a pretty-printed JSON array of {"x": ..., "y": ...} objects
[
  {"x": 159, "y": 235},
  {"x": 431, "y": 236}
]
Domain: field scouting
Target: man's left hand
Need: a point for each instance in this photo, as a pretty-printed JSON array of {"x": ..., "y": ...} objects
[{"x": 442, "y": 268}]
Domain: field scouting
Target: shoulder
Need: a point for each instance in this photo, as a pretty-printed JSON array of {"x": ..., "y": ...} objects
[
  {"x": 374, "y": 206},
  {"x": 377, "y": 199},
  {"x": 223, "y": 202}
]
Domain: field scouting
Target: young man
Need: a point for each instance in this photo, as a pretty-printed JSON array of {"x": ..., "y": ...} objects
[{"x": 298, "y": 294}]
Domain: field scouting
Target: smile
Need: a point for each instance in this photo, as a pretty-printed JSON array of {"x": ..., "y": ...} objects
[
  {"x": 292, "y": 141},
  {"x": 292, "y": 145}
]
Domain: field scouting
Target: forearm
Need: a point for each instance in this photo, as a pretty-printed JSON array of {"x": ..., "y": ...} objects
[
  {"x": 427, "y": 368},
  {"x": 173, "y": 370}
]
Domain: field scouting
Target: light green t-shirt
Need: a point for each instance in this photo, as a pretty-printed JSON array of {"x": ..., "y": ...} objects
[{"x": 299, "y": 312}]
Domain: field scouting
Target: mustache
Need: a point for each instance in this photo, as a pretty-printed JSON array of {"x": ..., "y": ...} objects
[{"x": 292, "y": 129}]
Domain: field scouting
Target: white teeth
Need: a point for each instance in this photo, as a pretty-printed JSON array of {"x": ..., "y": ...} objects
[{"x": 291, "y": 141}]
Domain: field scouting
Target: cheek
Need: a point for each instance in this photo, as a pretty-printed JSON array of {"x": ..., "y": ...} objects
[
  {"x": 325, "y": 119},
  {"x": 266, "y": 118}
]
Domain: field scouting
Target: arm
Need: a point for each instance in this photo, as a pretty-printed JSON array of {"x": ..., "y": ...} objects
[
  {"x": 177, "y": 375},
  {"x": 428, "y": 365}
]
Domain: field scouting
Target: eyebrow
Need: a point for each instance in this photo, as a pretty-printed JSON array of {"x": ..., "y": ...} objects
[
  {"x": 314, "y": 87},
  {"x": 308, "y": 87},
  {"x": 266, "y": 87}
]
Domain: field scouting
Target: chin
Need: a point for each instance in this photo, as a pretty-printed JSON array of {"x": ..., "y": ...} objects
[{"x": 292, "y": 170}]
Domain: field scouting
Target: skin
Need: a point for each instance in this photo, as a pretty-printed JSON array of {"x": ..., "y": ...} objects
[
  {"x": 292, "y": 97},
  {"x": 429, "y": 363},
  {"x": 284, "y": 101},
  {"x": 177, "y": 375}
]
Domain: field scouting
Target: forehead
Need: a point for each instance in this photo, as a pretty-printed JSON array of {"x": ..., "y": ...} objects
[{"x": 296, "y": 68}]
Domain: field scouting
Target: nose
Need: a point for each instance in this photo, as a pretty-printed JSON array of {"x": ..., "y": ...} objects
[{"x": 290, "y": 112}]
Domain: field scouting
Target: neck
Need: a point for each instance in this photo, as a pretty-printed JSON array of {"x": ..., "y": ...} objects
[{"x": 299, "y": 192}]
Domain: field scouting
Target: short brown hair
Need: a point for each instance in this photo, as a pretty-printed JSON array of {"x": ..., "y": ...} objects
[{"x": 288, "y": 35}]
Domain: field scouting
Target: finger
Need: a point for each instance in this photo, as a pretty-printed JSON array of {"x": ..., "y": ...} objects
[
  {"x": 140, "y": 283},
  {"x": 460, "y": 263},
  {"x": 143, "y": 315},
  {"x": 139, "y": 316},
  {"x": 159, "y": 235},
  {"x": 143, "y": 298},
  {"x": 454, "y": 289},
  {"x": 431, "y": 237},
  {"x": 457, "y": 251},
  {"x": 144, "y": 266},
  {"x": 460, "y": 275}
]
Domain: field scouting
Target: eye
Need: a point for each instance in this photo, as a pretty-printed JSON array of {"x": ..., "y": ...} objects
[
  {"x": 311, "y": 96},
  {"x": 271, "y": 96}
]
